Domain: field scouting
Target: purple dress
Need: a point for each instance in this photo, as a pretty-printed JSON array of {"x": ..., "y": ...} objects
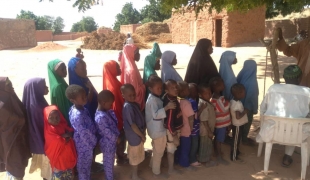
[
  {"x": 34, "y": 102},
  {"x": 106, "y": 123},
  {"x": 85, "y": 140}
]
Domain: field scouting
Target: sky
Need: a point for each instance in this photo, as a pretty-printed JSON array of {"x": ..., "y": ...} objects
[{"x": 104, "y": 15}]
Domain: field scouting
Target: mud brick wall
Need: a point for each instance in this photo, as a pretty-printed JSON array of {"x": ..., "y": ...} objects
[
  {"x": 237, "y": 27},
  {"x": 131, "y": 28},
  {"x": 17, "y": 33},
  {"x": 47, "y": 35}
]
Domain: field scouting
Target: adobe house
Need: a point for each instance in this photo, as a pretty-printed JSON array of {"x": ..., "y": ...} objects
[{"x": 225, "y": 29}]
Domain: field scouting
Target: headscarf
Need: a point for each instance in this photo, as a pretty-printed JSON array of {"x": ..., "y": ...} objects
[
  {"x": 111, "y": 83},
  {"x": 130, "y": 73},
  {"x": 227, "y": 73},
  {"x": 58, "y": 87},
  {"x": 167, "y": 70},
  {"x": 14, "y": 142},
  {"x": 62, "y": 154},
  {"x": 201, "y": 67},
  {"x": 247, "y": 77},
  {"x": 34, "y": 102},
  {"x": 75, "y": 79},
  {"x": 150, "y": 61}
]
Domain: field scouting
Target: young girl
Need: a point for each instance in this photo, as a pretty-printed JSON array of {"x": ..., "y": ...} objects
[
  {"x": 130, "y": 73},
  {"x": 247, "y": 77},
  {"x": 110, "y": 82},
  {"x": 228, "y": 58},
  {"x": 59, "y": 145},
  {"x": 84, "y": 130},
  {"x": 57, "y": 71},
  {"x": 34, "y": 102},
  {"x": 169, "y": 60}
]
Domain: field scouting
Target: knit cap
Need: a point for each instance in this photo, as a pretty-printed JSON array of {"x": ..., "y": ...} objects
[{"x": 292, "y": 72}]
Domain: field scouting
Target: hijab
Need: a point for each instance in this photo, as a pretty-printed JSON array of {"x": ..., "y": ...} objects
[
  {"x": 167, "y": 70},
  {"x": 150, "y": 61},
  {"x": 227, "y": 73},
  {"x": 201, "y": 67},
  {"x": 62, "y": 154},
  {"x": 111, "y": 83},
  {"x": 14, "y": 142},
  {"x": 130, "y": 73},
  {"x": 247, "y": 77},
  {"x": 58, "y": 87},
  {"x": 75, "y": 79},
  {"x": 34, "y": 102}
]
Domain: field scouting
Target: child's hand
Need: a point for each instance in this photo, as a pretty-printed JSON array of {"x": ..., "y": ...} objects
[
  {"x": 179, "y": 115},
  {"x": 170, "y": 105},
  {"x": 143, "y": 139},
  {"x": 210, "y": 135},
  {"x": 246, "y": 111}
]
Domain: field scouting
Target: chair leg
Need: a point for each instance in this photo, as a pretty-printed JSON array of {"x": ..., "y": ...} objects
[
  {"x": 260, "y": 148},
  {"x": 267, "y": 157},
  {"x": 304, "y": 160}
]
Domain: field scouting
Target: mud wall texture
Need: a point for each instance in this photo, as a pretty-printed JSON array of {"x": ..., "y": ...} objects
[
  {"x": 47, "y": 35},
  {"x": 131, "y": 28},
  {"x": 17, "y": 33}
]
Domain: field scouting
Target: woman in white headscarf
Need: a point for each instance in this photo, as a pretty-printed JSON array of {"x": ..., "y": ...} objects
[
  {"x": 228, "y": 58},
  {"x": 169, "y": 60}
]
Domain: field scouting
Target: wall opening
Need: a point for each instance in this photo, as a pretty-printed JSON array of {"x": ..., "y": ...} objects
[
  {"x": 218, "y": 32},
  {"x": 193, "y": 33}
]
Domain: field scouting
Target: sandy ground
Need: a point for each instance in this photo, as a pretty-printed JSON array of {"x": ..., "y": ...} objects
[{"x": 21, "y": 64}]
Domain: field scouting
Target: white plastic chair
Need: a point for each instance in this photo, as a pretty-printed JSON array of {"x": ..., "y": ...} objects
[{"x": 287, "y": 131}]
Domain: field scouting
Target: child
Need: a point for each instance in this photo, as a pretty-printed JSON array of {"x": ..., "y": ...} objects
[
  {"x": 193, "y": 96},
  {"x": 221, "y": 107},
  {"x": 154, "y": 116},
  {"x": 79, "y": 53},
  {"x": 106, "y": 123},
  {"x": 207, "y": 123},
  {"x": 134, "y": 126},
  {"x": 84, "y": 130},
  {"x": 239, "y": 118},
  {"x": 173, "y": 121},
  {"x": 188, "y": 121},
  {"x": 59, "y": 145}
]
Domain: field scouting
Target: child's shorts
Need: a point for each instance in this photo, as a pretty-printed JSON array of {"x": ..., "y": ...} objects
[
  {"x": 220, "y": 134},
  {"x": 136, "y": 154},
  {"x": 172, "y": 142}
]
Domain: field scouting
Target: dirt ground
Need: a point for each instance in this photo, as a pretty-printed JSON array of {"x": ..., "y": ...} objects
[{"x": 20, "y": 65}]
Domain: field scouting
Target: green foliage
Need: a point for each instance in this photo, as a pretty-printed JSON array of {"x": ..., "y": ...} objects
[
  {"x": 129, "y": 15},
  {"x": 44, "y": 23},
  {"x": 86, "y": 24},
  {"x": 154, "y": 12},
  {"x": 58, "y": 25}
]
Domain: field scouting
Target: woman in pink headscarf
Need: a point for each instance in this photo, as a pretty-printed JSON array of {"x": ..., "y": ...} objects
[{"x": 130, "y": 73}]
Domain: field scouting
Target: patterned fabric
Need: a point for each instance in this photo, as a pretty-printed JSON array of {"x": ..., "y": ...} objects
[
  {"x": 171, "y": 122},
  {"x": 106, "y": 123},
  {"x": 291, "y": 72},
  {"x": 63, "y": 175},
  {"x": 196, "y": 126},
  {"x": 11, "y": 177},
  {"x": 222, "y": 113},
  {"x": 85, "y": 140},
  {"x": 205, "y": 149}
]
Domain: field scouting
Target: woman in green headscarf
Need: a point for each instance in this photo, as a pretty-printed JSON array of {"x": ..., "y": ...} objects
[
  {"x": 151, "y": 64},
  {"x": 57, "y": 71}
]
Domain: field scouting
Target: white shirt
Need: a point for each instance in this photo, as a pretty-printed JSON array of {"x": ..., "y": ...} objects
[
  {"x": 237, "y": 106},
  {"x": 129, "y": 41},
  {"x": 286, "y": 100}
]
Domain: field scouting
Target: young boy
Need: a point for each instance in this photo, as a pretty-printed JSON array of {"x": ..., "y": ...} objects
[
  {"x": 79, "y": 53},
  {"x": 173, "y": 122},
  {"x": 134, "y": 127},
  {"x": 84, "y": 130},
  {"x": 188, "y": 122},
  {"x": 207, "y": 123},
  {"x": 106, "y": 123},
  {"x": 239, "y": 118},
  {"x": 222, "y": 113},
  {"x": 155, "y": 114}
]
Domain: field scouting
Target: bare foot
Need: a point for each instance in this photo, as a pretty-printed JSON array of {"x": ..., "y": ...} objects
[{"x": 161, "y": 176}]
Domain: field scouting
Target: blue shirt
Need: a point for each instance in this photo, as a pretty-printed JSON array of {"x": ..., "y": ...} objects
[{"x": 195, "y": 131}]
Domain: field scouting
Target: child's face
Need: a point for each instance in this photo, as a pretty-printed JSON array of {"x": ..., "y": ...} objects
[
  {"x": 129, "y": 95},
  {"x": 185, "y": 92},
  {"x": 81, "y": 99},
  {"x": 80, "y": 69},
  {"x": 157, "y": 65},
  {"x": 240, "y": 94},
  {"x": 193, "y": 93},
  {"x": 220, "y": 87},
  {"x": 206, "y": 94},
  {"x": 54, "y": 118},
  {"x": 172, "y": 89},
  {"x": 62, "y": 70},
  {"x": 107, "y": 105},
  {"x": 78, "y": 50},
  {"x": 157, "y": 88}
]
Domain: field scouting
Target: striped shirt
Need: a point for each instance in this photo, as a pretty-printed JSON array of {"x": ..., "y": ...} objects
[{"x": 222, "y": 112}]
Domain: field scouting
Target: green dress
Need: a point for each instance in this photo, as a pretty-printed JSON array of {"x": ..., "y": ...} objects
[{"x": 58, "y": 87}]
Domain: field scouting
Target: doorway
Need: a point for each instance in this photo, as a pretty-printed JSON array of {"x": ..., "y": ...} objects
[{"x": 218, "y": 32}]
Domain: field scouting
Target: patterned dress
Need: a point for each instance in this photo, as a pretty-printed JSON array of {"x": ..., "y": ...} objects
[
  {"x": 85, "y": 140},
  {"x": 106, "y": 122}
]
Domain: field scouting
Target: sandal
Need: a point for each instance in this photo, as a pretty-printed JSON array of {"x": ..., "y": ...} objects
[{"x": 287, "y": 161}]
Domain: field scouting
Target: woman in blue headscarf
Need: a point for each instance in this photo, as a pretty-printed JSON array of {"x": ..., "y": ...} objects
[
  {"x": 228, "y": 58},
  {"x": 168, "y": 60},
  {"x": 247, "y": 77},
  {"x": 78, "y": 75}
]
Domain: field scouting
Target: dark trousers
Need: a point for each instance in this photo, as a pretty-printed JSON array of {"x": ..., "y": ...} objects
[
  {"x": 247, "y": 126},
  {"x": 237, "y": 133},
  {"x": 194, "y": 149},
  {"x": 121, "y": 147},
  {"x": 183, "y": 151}
]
